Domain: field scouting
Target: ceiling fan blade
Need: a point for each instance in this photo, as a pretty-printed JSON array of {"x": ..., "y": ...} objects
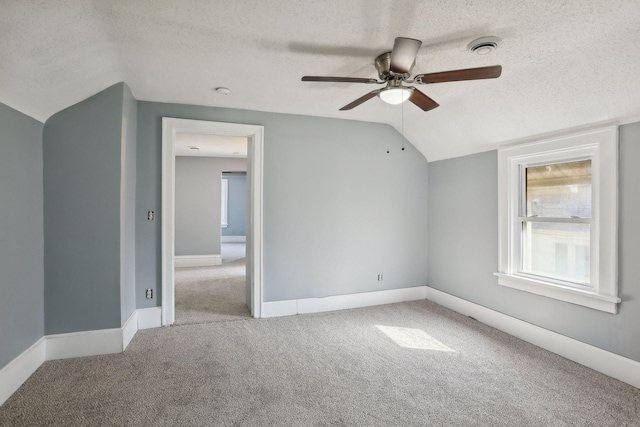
[
  {"x": 422, "y": 100},
  {"x": 339, "y": 79},
  {"x": 458, "y": 75},
  {"x": 360, "y": 100},
  {"x": 404, "y": 54}
]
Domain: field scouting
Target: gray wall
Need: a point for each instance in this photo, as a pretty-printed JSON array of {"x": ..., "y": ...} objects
[
  {"x": 128, "y": 206},
  {"x": 463, "y": 251},
  {"x": 338, "y": 209},
  {"x": 197, "y": 203},
  {"x": 21, "y": 234},
  {"x": 82, "y": 213},
  {"x": 237, "y": 207}
]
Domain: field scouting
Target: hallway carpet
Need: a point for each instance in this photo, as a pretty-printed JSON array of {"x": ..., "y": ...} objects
[{"x": 212, "y": 294}]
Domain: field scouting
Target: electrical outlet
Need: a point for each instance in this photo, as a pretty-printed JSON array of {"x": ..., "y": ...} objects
[
  {"x": 379, "y": 277},
  {"x": 149, "y": 293},
  {"x": 150, "y": 217}
]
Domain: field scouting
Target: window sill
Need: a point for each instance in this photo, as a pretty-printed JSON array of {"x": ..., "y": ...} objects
[{"x": 562, "y": 293}]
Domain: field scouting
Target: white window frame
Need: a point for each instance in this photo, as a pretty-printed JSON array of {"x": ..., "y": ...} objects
[
  {"x": 224, "y": 203},
  {"x": 601, "y": 146}
]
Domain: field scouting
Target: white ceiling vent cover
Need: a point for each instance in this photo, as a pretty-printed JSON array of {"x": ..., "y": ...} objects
[{"x": 484, "y": 45}]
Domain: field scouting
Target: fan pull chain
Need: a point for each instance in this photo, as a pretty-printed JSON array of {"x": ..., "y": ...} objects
[{"x": 402, "y": 134}]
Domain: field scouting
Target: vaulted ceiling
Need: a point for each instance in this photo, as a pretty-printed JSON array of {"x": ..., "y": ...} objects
[{"x": 565, "y": 63}]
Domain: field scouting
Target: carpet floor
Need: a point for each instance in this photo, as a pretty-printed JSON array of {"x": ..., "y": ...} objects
[
  {"x": 213, "y": 294},
  {"x": 402, "y": 364}
]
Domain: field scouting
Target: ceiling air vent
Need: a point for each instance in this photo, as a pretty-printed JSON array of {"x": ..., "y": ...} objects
[{"x": 484, "y": 45}]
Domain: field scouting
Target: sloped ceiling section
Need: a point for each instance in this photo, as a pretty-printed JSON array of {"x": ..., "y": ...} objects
[{"x": 565, "y": 63}]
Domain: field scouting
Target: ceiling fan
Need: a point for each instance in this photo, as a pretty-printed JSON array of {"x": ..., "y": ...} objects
[{"x": 394, "y": 69}]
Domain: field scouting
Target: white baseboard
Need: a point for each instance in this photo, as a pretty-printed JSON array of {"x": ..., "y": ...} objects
[
  {"x": 74, "y": 344},
  {"x": 197, "y": 260},
  {"x": 280, "y": 308},
  {"x": 342, "y": 302},
  {"x": 85, "y": 343},
  {"x": 149, "y": 317},
  {"x": 16, "y": 372},
  {"x": 233, "y": 239},
  {"x": 129, "y": 329},
  {"x": 603, "y": 361},
  {"x": 102, "y": 341}
]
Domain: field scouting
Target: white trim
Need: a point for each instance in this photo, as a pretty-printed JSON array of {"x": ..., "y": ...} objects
[
  {"x": 280, "y": 308},
  {"x": 96, "y": 342},
  {"x": 101, "y": 341},
  {"x": 149, "y": 318},
  {"x": 129, "y": 329},
  {"x": 342, "y": 302},
  {"x": 627, "y": 120},
  {"x": 224, "y": 203},
  {"x": 233, "y": 239},
  {"x": 611, "y": 364},
  {"x": 86, "y": 343},
  {"x": 168, "y": 226},
  {"x": 564, "y": 293},
  {"x": 16, "y": 372},
  {"x": 197, "y": 260},
  {"x": 567, "y": 132},
  {"x": 255, "y": 135},
  {"x": 74, "y": 344},
  {"x": 255, "y": 220}
]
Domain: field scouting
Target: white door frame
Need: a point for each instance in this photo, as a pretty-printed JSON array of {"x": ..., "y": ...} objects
[{"x": 255, "y": 135}]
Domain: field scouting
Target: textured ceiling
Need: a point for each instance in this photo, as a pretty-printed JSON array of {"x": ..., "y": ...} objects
[{"x": 565, "y": 63}]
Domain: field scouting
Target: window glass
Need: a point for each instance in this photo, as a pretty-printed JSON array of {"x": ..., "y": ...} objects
[
  {"x": 557, "y": 250},
  {"x": 561, "y": 190}
]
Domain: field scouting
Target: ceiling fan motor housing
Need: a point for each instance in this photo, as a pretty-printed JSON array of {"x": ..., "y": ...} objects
[{"x": 383, "y": 66}]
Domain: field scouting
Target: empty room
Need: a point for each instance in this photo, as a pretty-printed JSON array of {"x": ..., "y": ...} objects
[{"x": 367, "y": 213}]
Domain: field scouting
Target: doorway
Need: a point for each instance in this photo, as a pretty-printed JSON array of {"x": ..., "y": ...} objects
[
  {"x": 210, "y": 228},
  {"x": 254, "y": 135}
]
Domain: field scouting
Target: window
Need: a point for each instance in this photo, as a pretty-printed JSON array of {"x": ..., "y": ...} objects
[
  {"x": 224, "y": 203},
  {"x": 558, "y": 218}
]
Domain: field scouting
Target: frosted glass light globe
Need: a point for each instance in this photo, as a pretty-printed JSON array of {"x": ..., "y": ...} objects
[{"x": 396, "y": 95}]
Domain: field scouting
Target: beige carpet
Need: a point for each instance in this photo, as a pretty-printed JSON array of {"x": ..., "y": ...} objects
[
  {"x": 408, "y": 364},
  {"x": 212, "y": 294}
]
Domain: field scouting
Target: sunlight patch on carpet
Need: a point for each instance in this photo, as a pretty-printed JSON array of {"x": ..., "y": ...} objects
[{"x": 413, "y": 338}]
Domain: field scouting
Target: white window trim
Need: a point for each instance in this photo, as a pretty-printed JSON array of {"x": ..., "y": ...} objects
[
  {"x": 601, "y": 145},
  {"x": 224, "y": 203}
]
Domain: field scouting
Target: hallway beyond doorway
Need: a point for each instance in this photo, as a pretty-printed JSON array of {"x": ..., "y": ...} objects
[{"x": 213, "y": 294}]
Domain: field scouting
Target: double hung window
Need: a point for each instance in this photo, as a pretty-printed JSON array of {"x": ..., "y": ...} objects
[{"x": 558, "y": 218}]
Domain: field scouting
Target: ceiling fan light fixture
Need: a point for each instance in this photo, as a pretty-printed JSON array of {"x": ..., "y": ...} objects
[{"x": 395, "y": 95}]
